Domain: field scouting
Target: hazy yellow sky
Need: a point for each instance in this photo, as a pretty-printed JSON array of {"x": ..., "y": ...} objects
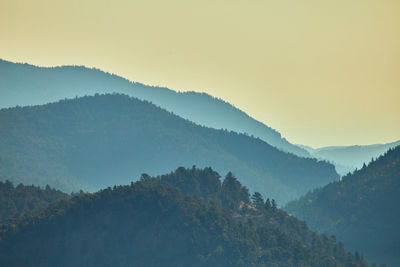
[{"x": 322, "y": 72}]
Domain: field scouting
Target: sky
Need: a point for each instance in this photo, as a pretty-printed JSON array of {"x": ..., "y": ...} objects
[{"x": 320, "y": 72}]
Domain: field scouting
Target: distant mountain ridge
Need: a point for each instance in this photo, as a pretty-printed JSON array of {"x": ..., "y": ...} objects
[
  {"x": 80, "y": 143},
  {"x": 349, "y": 158},
  {"x": 24, "y": 84}
]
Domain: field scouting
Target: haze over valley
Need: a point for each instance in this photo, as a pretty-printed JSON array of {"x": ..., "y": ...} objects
[
  {"x": 209, "y": 133},
  {"x": 84, "y": 129}
]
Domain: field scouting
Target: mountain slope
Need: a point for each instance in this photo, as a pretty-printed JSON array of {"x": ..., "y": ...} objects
[
  {"x": 150, "y": 224},
  {"x": 24, "y": 199},
  {"x": 83, "y": 142},
  {"x": 349, "y": 158},
  {"x": 23, "y": 84},
  {"x": 361, "y": 210}
]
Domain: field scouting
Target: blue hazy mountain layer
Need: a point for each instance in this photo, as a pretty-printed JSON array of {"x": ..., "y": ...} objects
[
  {"x": 348, "y": 158},
  {"x": 24, "y": 84},
  {"x": 82, "y": 142}
]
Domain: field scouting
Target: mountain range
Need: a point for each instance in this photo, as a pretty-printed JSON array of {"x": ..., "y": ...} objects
[
  {"x": 349, "y": 158},
  {"x": 98, "y": 141},
  {"x": 24, "y": 84},
  {"x": 71, "y": 128}
]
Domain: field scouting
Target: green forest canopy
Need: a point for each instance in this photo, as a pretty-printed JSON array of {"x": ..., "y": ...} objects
[
  {"x": 186, "y": 218},
  {"x": 361, "y": 210}
]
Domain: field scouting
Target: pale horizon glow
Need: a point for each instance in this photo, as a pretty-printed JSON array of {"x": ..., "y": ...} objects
[{"x": 322, "y": 73}]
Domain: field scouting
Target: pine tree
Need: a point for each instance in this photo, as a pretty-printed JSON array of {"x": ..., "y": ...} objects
[{"x": 257, "y": 201}]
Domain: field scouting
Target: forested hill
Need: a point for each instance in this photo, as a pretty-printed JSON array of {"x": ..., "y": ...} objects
[
  {"x": 104, "y": 140},
  {"x": 23, "y": 199},
  {"x": 186, "y": 218},
  {"x": 361, "y": 210},
  {"x": 23, "y": 84}
]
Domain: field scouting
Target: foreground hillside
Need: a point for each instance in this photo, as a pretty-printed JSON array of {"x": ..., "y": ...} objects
[
  {"x": 361, "y": 210},
  {"x": 23, "y": 199},
  {"x": 23, "y": 84},
  {"x": 186, "y": 218},
  {"x": 98, "y": 141}
]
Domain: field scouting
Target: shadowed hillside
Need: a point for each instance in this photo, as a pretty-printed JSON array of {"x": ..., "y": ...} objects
[
  {"x": 361, "y": 210},
  {"x": 186, "y": 218},
  {"x": 23, "y": 199},
  {"x": 98, "y": 141}
]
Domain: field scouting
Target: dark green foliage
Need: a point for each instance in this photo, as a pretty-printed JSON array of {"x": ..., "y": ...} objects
[
  {"x": 361, "y": 210},
  {"x": 81, "y": 143},
  {"x": 257, "y": 200},
  {"x": 268, "y": 205},
  {"x": 171, "y": 220},
  {"x": 232, "y": 193},
  {"x": 23, "y": 84},
  {"x": 269, "y": 220},
  {"x": 22, "y": 199}
]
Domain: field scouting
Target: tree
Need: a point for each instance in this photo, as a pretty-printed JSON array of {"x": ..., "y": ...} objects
[
  {"x": 257, "y": 201},
  {"x": 233, "y": 192},
  {"x": 273, "y": 204},
  {"x": 267, "y": 204},
  {"x": 145, "y": 177}
]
